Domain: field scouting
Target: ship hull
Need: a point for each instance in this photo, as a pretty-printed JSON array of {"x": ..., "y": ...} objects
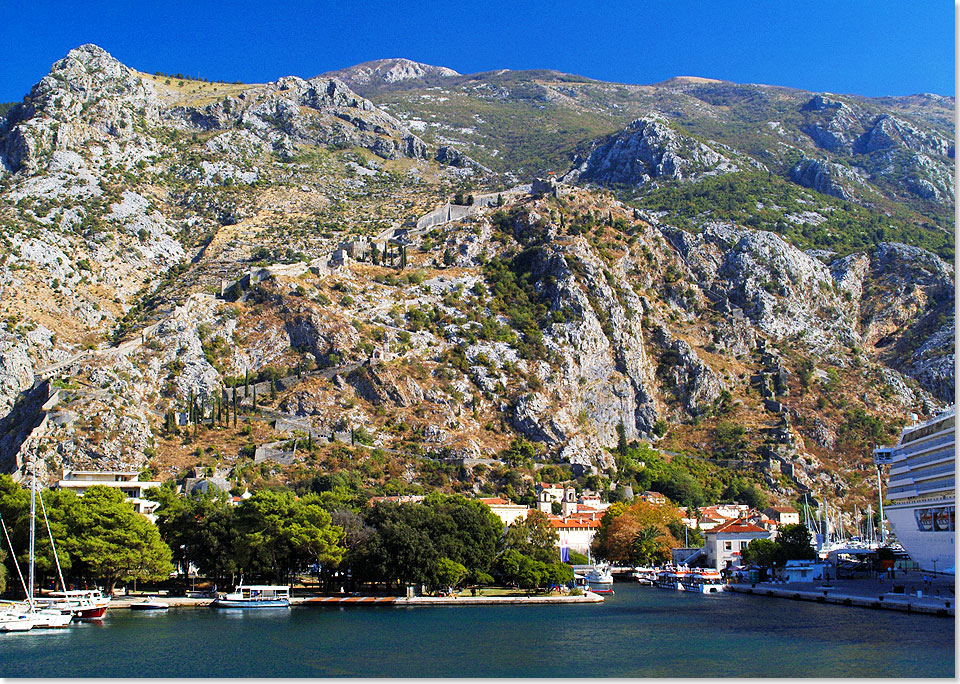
[{"x": 932, "y": 550}]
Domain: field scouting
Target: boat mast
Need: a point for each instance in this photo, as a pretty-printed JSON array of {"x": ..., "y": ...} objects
[
  {"x": 33, "y": 525},
  {"x": 56, "y": 558},
  {"x": 883, "y": 536},
  {"x": 15, "y": 561}
]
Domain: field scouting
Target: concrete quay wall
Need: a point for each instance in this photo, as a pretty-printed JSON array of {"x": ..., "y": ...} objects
[{"x": 902, "y": 602}]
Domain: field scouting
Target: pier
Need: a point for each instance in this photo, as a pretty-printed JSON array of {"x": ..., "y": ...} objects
[{"x": 907, "y": 593}]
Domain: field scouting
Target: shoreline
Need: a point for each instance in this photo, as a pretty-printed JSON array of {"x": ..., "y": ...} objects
[
  {"x": 886, "y": 601},
  {"x": 123, "y": 602}
]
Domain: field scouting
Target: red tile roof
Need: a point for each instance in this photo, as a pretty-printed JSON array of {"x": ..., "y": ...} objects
[
  {"x": 573, "y": 523},
  {"x": 736, "y": 527},
  {"x": 497, "y": 501}
]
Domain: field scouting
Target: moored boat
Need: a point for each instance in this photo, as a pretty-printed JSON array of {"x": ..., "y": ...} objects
[
  {"x": 921, "y": 489},
  {"x": 84, "y": 604},
  {"x": 150, "y": 603},
  {"x": 703, "y": 581},
  {"x": 255, "y": 596}
]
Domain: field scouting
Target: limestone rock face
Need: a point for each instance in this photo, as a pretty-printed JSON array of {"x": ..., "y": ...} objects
[
  {"x": 388, "y": 71},
  {"x": 87, "y": 96},
  {"x": 16, "y": 373},
  {"x": 648, "y": 149},
  {"x": 825, "y": 177},
  {"x": 908, "y": 314},
  {"x": 833, "y": 125},
  {"x": 293, "y": 111}
]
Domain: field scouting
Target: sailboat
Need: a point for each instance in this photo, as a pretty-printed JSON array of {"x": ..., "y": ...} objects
[{"x": 27, "y": 615}]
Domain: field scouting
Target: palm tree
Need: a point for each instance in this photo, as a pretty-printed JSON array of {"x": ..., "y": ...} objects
[{"x": 646, "y": 549}]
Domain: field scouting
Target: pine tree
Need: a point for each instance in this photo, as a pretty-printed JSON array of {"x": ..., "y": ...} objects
[{"x": 499, "y": 200}]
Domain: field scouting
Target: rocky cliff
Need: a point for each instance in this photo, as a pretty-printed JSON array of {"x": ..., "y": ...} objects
[{"x": 255, "y": 248}]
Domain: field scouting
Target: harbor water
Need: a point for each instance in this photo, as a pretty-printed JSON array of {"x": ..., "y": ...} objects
[{"x": 637, "y": 632}]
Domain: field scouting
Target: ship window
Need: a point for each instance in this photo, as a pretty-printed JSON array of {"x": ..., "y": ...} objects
[
  {"x": 924, "y": 518},
  {"x": 943, "y": 518}
]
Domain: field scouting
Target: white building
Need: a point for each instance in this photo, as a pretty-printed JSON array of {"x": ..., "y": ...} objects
[
  {"x": 127, "y": 481},
  {"x": 725, "y": 543},
  {"x": 802, "y": 571},
  {"x": 508, "y": 512},
  {"x": 785, "y": 515},
  {"x": 576, "y": 533}
]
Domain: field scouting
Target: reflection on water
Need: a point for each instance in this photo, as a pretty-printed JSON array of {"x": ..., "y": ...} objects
[{"x": 638, "y": 632}]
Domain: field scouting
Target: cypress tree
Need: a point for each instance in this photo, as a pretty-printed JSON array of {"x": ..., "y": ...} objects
[
  {"x": 254, "y": 398},
  {"x": 246, "y": 384},
  {"x": 234, "y": 407}
]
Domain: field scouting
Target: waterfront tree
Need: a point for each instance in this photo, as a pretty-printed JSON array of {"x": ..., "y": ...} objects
[
  {"x": 450, "y": 573},
  {"x": 623, "y": 521},
  {"x": 533, "y": 536},
  {"x": 280, "y": 534},
  {"x": 110, "y": 541}
]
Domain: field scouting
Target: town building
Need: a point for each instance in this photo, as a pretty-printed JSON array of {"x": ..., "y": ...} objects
[
  {"x": 127, "y": 481},
  {"x": 508, "y": 512},
  {"x": 785, "y": 515},
  {"x": 576, "y": 532},
  {"x": 549, "y": 494},
  {"x": 725, "y": 543},
  {"x": 655, "y": 498},
  {"x": 405, "y": 498}
]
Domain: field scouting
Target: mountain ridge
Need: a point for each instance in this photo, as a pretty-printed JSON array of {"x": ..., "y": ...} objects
[{"x": 166, "y": 241}]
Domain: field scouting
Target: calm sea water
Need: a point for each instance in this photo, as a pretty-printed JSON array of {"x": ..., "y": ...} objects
[{"x": 638, "y": 632}]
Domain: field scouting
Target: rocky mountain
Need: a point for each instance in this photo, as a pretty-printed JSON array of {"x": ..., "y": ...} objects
[
  {"x": 388, "y": 72},
  {"x": 272, "y": 281}
]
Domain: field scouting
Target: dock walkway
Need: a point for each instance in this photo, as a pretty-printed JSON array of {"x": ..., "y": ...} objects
[
  {"x": 122, "y": 602},
  {"x": 936, "y": 596}
]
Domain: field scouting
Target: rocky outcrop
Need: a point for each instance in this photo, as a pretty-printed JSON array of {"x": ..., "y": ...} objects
[
  {"x": 390, "y": 71},
  {"x": 826, "y": 177},
  {"x": 833, "y": 125},
  {"x": 88, "y": 96},
  {"x": 293, "y": 111},
  {"x": 646, "y": 150}
]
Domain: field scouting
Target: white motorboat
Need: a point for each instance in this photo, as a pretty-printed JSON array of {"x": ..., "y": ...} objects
[
  {"x": 255, "y": 596},
  {"x": 150, "y": 603}
]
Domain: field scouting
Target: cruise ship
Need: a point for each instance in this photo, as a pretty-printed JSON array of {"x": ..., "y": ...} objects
[{"x": 922, "y": 492}]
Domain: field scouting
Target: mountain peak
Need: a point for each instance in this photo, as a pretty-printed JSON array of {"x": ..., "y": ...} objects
[{"x": 388, "y": 71}]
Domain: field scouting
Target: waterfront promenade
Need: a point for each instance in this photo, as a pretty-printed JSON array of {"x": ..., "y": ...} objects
[
  {"x": 121, "y": 602},
  {"x": 936, "y": 596}
]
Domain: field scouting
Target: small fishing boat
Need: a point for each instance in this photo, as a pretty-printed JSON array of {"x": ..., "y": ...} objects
[{"x": 255, "y": 596}]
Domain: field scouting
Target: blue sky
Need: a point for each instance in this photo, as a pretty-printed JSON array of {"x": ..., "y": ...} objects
[{"x": 874, "y": 48}]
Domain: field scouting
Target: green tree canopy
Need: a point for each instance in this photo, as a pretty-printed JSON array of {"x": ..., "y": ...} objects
[
  {"x": 280, "y": 534},
  {"x": 534, "y": 537},
  {"x": 110, "y": 541}
]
